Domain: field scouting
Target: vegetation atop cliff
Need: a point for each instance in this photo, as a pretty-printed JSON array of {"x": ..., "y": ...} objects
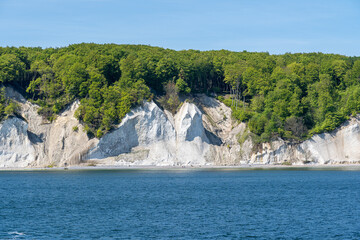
[{"x": 291, "y": 95}]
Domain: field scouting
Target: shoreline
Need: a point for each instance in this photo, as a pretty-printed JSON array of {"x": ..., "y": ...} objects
[{"x": 353, "y": 167}]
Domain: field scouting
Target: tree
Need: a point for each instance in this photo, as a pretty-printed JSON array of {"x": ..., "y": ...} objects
[
  {"x": 233, "y": 76},
  {"x": 296, "y": 126},
  {"x": 12, "y": 69},
  {"x": 352, "y": 77},
  {"x": 109, "y": 79},
  {"x": 171, "y": 99},
  {"x": 182, "y": 86},
  {"x": 339, "y": 70}
]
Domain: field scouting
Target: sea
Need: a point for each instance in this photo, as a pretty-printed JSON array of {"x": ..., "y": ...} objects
[{"x": 180, "y": 204}]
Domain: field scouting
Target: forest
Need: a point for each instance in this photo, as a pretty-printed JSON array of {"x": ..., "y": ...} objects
[{"x": 291, "y": 96}]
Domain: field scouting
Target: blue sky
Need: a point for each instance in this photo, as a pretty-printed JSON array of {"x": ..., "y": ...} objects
[{"x": 252, "y": 25}]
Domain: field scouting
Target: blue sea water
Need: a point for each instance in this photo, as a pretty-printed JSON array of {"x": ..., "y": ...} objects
[{"x": 109, "y": 204}]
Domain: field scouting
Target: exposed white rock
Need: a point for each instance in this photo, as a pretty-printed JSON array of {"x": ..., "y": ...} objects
[
  {"x": 16, "y": 149},
  {"x": 201, "y": 133},
  {"x": 148, "y": 136},
  {"x": 192, "y": 143},
  {"x": 338, "y": 147},
  {"x": 188, "y": 123},
  {"x": 223, "y": 133},
  {"x": 53, "y": 143},
  {"x": 144, "y": 126},
  {"x": 64, "y": 145}
]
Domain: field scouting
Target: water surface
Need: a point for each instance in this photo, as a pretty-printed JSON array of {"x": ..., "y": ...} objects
[{"x": 108, "y": 204}]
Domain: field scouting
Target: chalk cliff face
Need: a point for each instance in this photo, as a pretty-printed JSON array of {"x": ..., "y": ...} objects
[
  {"x": 143, "y": 129},
  {"x": 16, "y": 149},
  {"x": 200, "y": 133},
  {"x": 338, "y": 147},
  {"x": 46, "y": 143},
  {"x": 149, "y": 136}
]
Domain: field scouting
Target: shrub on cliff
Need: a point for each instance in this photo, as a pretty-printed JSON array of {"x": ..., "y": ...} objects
[{"x": 170, "y": 100}]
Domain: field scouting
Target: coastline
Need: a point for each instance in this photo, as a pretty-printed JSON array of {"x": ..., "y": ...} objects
[{"x": 243, "y": 167}]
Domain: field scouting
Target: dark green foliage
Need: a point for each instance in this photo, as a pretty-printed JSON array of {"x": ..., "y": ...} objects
[
  {"x": 291, "y": 96},
  {"x": 170, "y": 100},
  {"x": 295, "y": 127}
]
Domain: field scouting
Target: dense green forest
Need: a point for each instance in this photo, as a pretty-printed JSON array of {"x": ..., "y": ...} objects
[{"x": 291, "y": 95}]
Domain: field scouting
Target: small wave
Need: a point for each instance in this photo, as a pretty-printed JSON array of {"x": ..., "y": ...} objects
[{"x": 16, "y": 233}]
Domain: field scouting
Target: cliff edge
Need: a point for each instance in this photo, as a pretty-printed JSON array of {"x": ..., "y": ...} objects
[{"x": 202, "y": 132}]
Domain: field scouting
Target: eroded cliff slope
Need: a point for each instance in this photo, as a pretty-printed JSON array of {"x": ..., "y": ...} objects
[{"x": 200, "y": 133}]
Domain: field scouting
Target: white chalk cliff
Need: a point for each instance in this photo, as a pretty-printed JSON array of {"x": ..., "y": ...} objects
[
  {"x": 340, "y": 146},
  {"x": 149, "y": 136},
  {"x": 16, "y": 149},
  {"x": 200, "y": 133}
]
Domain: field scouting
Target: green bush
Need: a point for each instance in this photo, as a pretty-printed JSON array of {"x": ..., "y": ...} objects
[
  {"x": 241, "y": 114},
  {"x": 220, "y": 98},
  {"x": 12, "y": 109},
  {"x": 227, "y": 102},
  {"x": 99, "y": 133}
]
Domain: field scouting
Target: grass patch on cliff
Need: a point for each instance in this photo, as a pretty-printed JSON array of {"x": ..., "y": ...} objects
[{"x": 51, "y": 165}]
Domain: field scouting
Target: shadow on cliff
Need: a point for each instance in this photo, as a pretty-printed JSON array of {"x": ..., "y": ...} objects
[
  {"x": 213, "y": 139},
  {"x": 34, "y": 139}
]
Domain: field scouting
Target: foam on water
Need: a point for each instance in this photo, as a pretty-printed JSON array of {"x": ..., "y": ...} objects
[{"x": 16, "y": 233}]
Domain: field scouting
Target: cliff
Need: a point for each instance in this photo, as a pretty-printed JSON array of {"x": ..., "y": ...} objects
[
  {"x": 200, "y": 133},
  {"x": 338, "y": 147}
]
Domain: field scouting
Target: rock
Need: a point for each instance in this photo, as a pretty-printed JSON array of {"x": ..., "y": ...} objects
[
  {"x": 53, "y": 143},
  {"x": 341, "y": 146},
  {"x": 149, "y": 136},
  {"x": 16, "y": 149},
  {"x": 201, "y": 133},
  {"x": 145, "y": 126},
  {"x": 192, "y": 143},
  {"x": 64, "y": 145},
  {"x": 188, "y": 124}
]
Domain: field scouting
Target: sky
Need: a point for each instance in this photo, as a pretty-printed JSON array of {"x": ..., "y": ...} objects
[{"x": 274, "y": 26}]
